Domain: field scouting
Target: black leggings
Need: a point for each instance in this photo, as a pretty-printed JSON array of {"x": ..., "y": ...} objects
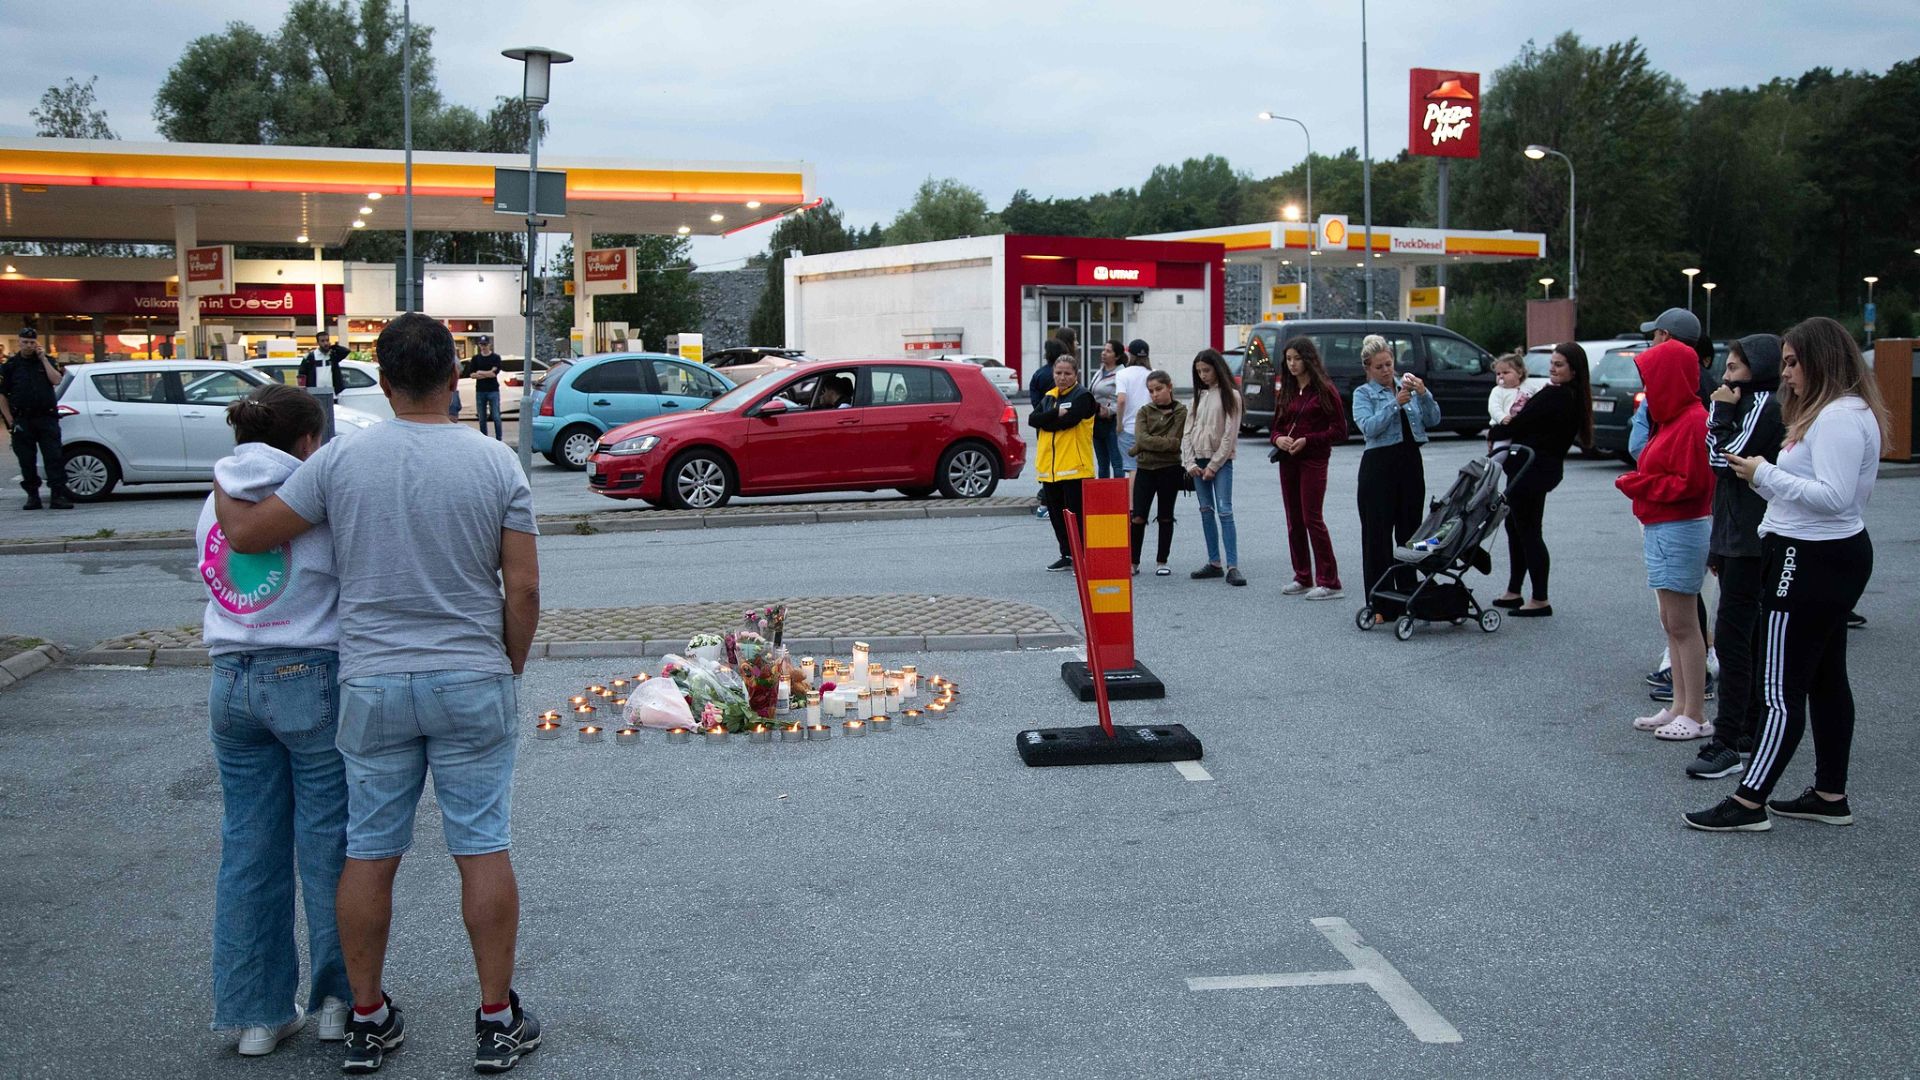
[
  {"x": 1735, "y": 636},
  {"x": 1526, "y": 545},
  {"x": 1393, "y": 495},
  {"x": 1163, "y": 482},
  {"x": 1806, "y": 591},
  {"x": 1060, "y": 496}
]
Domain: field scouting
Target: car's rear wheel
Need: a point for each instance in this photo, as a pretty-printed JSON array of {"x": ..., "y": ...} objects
[
  {"x": 91, "y": 472},
  {"x": 968, "y": 471},
  {"x": 916, "y": 492},
  {"x": 573, "y": 447},
  {"x": 698, "y": 480}
]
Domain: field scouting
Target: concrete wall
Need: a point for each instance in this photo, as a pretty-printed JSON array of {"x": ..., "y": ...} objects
[{"x": 861, "y": 303}]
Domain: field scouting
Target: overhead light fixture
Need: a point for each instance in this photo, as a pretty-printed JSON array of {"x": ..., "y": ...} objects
[
  {"x": 365, "y": 210},
  {"x": 685, "y": 229},
  {"x": 716, "y": 218},
  {"x": 11, "y": 270},
  {"x": 301, "y": 239},
  {"x": 374, "y": 195},
  {"x": 358, "y": 224},
  {"x": 753, "y": 204},
  {"x": 1286, "y": 262}
]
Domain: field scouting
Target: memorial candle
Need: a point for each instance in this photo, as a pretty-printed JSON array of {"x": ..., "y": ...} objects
[
  {"x": 862, "y": 655},
  {"x": 627, "y": 736},
  {"x": 546, "y": 729},
  {"x": 589, "y": 733},
  {"x": 911, "y": 673},
  {"x": 813, "y": 706}
]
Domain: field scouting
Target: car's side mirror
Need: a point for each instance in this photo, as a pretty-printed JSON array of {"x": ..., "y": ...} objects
[{"x": 772, "y": 407}]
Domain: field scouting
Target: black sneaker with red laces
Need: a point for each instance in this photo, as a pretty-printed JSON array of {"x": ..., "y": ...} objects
[{"x": 498, "y": 1047}]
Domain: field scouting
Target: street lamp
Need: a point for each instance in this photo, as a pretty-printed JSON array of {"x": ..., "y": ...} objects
[
  {"x": 1291, "y": 212},
  {"x": 1546, "y": 283},
  {"x": 1691, "y": 272},
  {"x": 1871, "y": 281},
  {"x": 1709, "y": 286},
  {"x": 1537, "y": 152},
  {"x": 1314, "y": 242},
  {"x": 536, "y": 90}
]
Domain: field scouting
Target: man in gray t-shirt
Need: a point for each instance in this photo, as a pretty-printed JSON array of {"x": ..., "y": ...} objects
[{"x": 434, "y": 538}]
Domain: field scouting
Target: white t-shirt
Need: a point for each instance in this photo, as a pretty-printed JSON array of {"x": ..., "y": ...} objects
[
  {"x": 1131, "y": 382},
  {"x": 322, "y": 370}
]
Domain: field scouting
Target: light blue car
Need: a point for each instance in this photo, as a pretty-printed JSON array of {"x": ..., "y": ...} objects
[{"x": 583, "y": 400}]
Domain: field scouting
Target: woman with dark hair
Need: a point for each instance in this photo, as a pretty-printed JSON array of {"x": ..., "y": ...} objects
[
  {"x": 1207, "y": 454},
  {"x": 1553, "y": 419},
  {"x": 1308, "y": 419},
  {"x": 1064, "y": 456},
  {"x": 1393, "y": 415},
  {"x": 1105, "y": 387},
  {"x": 1818, "y": 561}
]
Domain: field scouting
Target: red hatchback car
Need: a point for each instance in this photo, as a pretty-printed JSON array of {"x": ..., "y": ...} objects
[{"x": 826, "y": 425}]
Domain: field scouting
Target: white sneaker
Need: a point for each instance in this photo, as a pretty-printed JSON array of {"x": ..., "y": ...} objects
[
  {"x": 333, "y": 1020},
  {"x": 1293, "y": 588},
  {"x": 1321, "y": 592},
  {"x": 260, "y": 1040}
]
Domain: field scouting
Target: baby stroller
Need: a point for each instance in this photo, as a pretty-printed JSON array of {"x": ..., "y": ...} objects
[{"x": 1448, "y": 544}]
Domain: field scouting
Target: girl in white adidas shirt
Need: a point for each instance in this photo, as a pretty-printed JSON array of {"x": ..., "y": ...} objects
[{"x": 1818, "y": 560}]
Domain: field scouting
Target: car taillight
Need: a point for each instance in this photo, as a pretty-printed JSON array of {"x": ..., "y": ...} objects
[
  {"x": 66, "y": 410},
  {"x": 1639, "y": 399},
  {"x": 546, "y": 405},
  {"x": 515, "y": 381},
  {"x": 1010, "y": 417}
]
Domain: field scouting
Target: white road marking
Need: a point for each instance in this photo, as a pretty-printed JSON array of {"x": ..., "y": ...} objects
[
  {"x": 1369, "y": 967},
  {"x": 1193, "y": 770}
]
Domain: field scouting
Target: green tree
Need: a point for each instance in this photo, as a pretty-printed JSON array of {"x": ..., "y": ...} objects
[
  {"x": 943, "y": 210},
  {"x": 71, "y": 111},
  {"x": 810, "y": 232},
  {"x": 1029, "y": 216},
  {"x": 667, "y": 300},
  {"x": 1198, "y": 193}
]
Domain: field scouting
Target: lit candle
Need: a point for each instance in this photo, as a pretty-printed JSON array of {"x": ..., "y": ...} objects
[
  {"x": 596, "y": 689},
  {"x": 640, "y": 678},
  {"x": 716, "y": 735},
  {"x": 883, "y": 723},
  {"x": 584, "y": 713},
  {"x": 589, "y": 734},
  {"x": 877, "y": 676},
  {"x": 864, "y": 710},
  {"x": 853, "y": 729},
  {"x": 893, "y": 699},
  {"x": 913, "y": 718},
  {"x": 813, "y": 706},
  {"x": 619, "y": 686},
  {"x": 550, "y": 716},
  {"x": 577, "y": 700},
  {"x": 546, "y": 729},
  {"x": 861, "y": 656},
  {"x": 836, "y": 704},
  {"x": 619, "y": 703},
  {"x": 911, "y": 673},
  {"x": 627, "y": 736},
  {"x": 819, "y": 732},
  {"x": 806, "y": 668},
  {"x": 938, "y": 709},
  {"x": 793, "y": 733},
  {"x": 679, "y": 735},
  {"x": 761, "y": 733}
]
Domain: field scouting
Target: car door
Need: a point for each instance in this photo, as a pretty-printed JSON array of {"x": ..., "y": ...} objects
[
  {"x": 907, "y": 409},
  {"x": 1460, "y": 374},
  {"x": 134, "y": 416},
  {"x": 203, "y": 395},
  {"x": 362, "y": 391},
  {"x": 613, "y": 392},
  {"x": 678, "y": 386},
  {"x": 809, "y": 445}
]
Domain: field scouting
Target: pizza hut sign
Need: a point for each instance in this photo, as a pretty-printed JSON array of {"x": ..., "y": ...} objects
[{"x": 1443, "y": 113}]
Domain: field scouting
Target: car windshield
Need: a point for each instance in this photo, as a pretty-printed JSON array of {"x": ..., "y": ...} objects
[
  {"x": 1539, "y": 363},
  {"x": 1617, "y": 370},
  {"x": 745, "y": 392}
]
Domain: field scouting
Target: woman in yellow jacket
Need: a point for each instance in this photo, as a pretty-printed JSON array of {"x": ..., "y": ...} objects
[{"x": 1064, "y": 456}]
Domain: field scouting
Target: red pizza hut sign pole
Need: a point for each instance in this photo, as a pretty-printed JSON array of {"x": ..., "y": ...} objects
[{"x": 1443, "y": 121}]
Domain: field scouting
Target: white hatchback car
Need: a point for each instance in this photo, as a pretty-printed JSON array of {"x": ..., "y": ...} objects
[
  {"x": 997, "y": 373},
  {"x": 156, "y": 422},
  {"x": 362, "y": 391}
]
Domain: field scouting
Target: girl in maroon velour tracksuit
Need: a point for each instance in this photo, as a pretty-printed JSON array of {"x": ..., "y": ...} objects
[{"x": 1308, "y": 418}]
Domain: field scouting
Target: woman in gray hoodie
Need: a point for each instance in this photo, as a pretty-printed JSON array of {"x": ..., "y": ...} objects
[{"x": 273, "y": 630}]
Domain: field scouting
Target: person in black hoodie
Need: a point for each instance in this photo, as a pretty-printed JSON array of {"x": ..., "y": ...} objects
[
  {"x": 1745, "y": 422},
  {"x": 1549, "y": 424}
]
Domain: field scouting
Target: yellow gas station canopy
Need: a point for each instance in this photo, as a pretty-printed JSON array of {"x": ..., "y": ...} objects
[
  {"x": 1392, "y": 245},
  {"x": 92, "y": 189}
]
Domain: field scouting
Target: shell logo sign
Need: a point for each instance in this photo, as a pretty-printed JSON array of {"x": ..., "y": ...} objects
[
  {"x": 1443, "y": 113},
  {"x": 1333, "y": 231}
]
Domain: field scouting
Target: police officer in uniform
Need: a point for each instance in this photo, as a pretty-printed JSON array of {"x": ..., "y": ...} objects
[{"x": 28, "y": 381}]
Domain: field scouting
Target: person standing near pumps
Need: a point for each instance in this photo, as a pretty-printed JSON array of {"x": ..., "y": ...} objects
[
  {"x": 1308, "y": 419},
  {"x": 30, "y": 405},
  {"x": 1393, "y": 415},
  {"x": 484, "y": 369},
  {"x": 1818, "y": 561},
  {"x": 1207, "y": 454},
  {"x": 1064, "y": 456},
  {"x": 320, "y": 368},
  {"x": 1549, "y": 423}
]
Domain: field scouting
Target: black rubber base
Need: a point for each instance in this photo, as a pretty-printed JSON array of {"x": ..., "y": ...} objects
[
  {"x": 1092, "y": 746},
  {"x": 1123, "y": 684}
]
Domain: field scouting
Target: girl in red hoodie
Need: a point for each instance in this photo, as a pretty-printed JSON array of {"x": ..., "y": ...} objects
[{"x": 1672, "y": 492}]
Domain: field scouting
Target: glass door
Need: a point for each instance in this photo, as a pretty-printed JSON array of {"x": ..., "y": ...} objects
[{"x": 1093, "y": 319}]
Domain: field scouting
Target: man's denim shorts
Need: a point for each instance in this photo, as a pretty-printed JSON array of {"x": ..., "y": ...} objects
[
  {"x": 1677, "y": 554},
  {"x": 460, "y": 724}
]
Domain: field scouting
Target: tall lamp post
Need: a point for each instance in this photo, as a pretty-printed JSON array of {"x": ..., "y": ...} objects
[
  {"x": 1871, "y": 281},
  {"x": 1536, "y": 152},
  {"x": 1366, "y": 161},
  {"x": 1691, "y": 272},
  {"x": 1315, "y": 242},
  {"x": 1546, "y": 285},
  {"x": 535, "y": 92},
  {"x": 1709, "y": 287}
]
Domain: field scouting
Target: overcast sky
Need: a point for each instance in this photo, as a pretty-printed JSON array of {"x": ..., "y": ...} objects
[{"x": 1058, "y": 98}]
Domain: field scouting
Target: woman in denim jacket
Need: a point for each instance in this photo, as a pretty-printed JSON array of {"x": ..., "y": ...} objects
[{"x": 1393, "y": 415}]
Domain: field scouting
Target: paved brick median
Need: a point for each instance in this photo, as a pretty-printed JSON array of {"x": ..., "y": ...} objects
[{"x": 892, "y": 622}]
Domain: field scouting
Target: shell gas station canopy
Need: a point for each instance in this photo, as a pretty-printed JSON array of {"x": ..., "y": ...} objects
[{"x": 86, "y": 189}]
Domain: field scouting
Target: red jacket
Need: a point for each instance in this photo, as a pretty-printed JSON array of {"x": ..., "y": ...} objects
[
  {"x": 1672, "y": 480},
  {"x": 1305, "y": 417}
]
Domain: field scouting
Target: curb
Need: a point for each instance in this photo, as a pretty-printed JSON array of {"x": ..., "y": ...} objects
[
  {"x": 623, "y": 649},
  {"x": 590, "y": 524},
  {"x": 18, "y": 667}
]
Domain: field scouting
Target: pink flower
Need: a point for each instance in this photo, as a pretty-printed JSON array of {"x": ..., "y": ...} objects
[{"x": 827, "y": 686}]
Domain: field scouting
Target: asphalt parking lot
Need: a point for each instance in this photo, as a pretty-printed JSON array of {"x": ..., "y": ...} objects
[{"x": 918, "y": 904}]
